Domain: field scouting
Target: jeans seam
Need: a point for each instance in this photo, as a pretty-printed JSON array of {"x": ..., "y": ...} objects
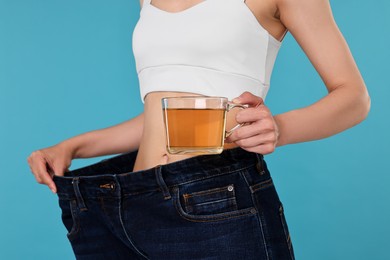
[
  {"x": 285, "y": 230},
  {"x": 260, "y": 222},
  {"x": 123, "y": 226},
  {"x": 262, "y": 231}
]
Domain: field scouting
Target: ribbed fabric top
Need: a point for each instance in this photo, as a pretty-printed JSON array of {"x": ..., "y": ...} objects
[{"x": 215, "y": 48}]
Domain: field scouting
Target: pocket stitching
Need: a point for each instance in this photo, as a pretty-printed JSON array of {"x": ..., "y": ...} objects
[
  {"x": 209, "y": 218},
  {"x": 262, "y": 185},
  {"x": 187, "y": 196},
  {"x": 207, "y": 192}
]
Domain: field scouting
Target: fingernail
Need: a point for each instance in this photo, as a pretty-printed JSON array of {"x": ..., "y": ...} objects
[
  {"x": 53, "y": 190},
  {"x": 236, "y": 100}
]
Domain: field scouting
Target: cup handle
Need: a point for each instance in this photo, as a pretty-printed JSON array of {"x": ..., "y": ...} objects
[{"x": 230, "y": 107}]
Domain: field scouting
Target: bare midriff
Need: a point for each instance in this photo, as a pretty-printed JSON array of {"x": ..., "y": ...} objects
[{"x": 152, "y": 150}]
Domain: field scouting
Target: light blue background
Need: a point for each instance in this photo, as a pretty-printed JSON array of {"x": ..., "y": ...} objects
[{"x": 66, "y": 67}]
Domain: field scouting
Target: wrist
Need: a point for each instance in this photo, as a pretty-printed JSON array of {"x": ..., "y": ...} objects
[
  {"x": 280, "y": 131},
  {"x": 70, "y": 146}
]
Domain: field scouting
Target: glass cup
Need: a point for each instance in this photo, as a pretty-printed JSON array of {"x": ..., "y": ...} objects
[{"x": 196, "y": 124}]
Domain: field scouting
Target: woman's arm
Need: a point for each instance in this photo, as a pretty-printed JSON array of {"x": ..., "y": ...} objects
[
  {"x": 312, "y": 25},
  {"x": 347, "y": 103},
  {"x": 56, "y": 160},
  {"x": 119, "y": 138}
]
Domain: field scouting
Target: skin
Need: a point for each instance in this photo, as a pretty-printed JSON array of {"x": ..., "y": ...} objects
[{"x": 311, "y": 23}]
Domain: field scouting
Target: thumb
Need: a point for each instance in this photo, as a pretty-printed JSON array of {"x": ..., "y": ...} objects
[{"x": 248, "y": 99}]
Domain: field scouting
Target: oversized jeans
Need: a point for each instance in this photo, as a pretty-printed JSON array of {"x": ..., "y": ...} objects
[{"x": 205, "y": 207}]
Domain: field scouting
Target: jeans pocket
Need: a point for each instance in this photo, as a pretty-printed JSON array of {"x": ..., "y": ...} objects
[
  {"x": 70, "y": 218},
  {"x": 211, "y": 201},
  {"x": 209, "y": 205},
  {"x": 286, "y": 231}
]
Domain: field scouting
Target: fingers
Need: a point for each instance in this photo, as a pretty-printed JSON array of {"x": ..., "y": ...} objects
[
  {"x": 45, "y": 177},
  {"x": 258, "y": 121},
  {"x": 247, "y": 133},
  {"x": 260, "y": 143},
  {"x": 249, "y": 99},
  {"x": 250, "y": 115},
  {"x": 250, "y": 139},
  {"x": 260, "y": 132},
  {"x": 38, "y": 166}
]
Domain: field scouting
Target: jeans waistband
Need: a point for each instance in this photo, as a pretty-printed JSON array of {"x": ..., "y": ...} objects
[{"x": 114, "y": 176}]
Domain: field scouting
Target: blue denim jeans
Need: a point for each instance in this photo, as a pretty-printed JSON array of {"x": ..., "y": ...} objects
[{"x": 205, "y": 207}]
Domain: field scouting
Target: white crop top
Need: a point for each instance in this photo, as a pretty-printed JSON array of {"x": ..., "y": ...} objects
[{"x": 215, "y": 48}]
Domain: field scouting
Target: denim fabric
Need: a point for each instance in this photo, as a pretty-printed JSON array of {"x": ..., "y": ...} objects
[{"x": 206, "y": 207}]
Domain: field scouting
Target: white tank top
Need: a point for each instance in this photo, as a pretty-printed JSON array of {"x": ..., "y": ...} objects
[{"x": 215, "y": 48}]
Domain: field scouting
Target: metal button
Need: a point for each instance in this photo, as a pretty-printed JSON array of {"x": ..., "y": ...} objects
[
  {"x": 230, "y": 188},
  {"x": 110, "y": 186}
]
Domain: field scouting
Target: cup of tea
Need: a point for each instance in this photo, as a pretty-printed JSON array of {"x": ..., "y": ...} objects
[{"x": 196, "y": 124}]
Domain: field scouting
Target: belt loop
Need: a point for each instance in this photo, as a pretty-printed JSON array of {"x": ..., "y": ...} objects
[
  {"x": 162, "y": 184},
  {"x": 260, "y": 164},
  {"x": 79, "y": 198}
]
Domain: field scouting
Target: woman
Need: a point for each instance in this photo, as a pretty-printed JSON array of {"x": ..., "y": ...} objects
[{"x": 149, "y": 204}]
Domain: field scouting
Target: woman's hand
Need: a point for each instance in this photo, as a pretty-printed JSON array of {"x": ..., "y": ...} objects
[
  {"x": 260, "y": 133},
  {"x": 47, "y": 162}
]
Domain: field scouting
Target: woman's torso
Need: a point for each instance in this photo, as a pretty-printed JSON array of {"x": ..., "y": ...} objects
[{"x": 152, "y": 150}]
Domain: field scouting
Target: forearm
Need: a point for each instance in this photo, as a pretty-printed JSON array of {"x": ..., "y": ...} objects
[
  {"x": 116, "y": 139},
  {"x": 339, "y": 110}
]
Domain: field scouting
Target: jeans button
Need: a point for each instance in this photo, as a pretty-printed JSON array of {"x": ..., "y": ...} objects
[{"x": 109, "y": 186}]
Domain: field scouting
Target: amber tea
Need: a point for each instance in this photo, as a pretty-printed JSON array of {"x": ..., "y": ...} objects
[
  {"x": 196, "y": 125},
  {"x": 197, "y": 130}
]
